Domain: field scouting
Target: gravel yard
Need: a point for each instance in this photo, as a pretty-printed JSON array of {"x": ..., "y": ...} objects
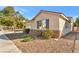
[
  {"x": 63, "y": 45},
  {"x": 44, "y": 46}
]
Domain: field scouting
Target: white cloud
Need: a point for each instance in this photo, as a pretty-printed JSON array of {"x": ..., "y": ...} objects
[{"x": 21, "y": 10}]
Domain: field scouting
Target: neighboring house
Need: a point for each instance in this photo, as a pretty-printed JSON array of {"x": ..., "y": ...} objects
[{"x": 56, "y": 21}]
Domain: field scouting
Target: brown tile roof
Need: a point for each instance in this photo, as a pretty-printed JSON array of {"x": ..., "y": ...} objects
[
  {"x": 51, "y": 12},
  {"x": 45, "y": 11},
  {"x": 70, "y": 18}
]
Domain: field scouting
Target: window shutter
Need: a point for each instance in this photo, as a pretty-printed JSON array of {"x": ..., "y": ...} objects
[
  {"x": 37, "y": 24},
  {"x": 47, "y": 23}
]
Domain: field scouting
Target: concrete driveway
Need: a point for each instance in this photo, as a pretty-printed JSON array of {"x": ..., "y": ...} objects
[
  {"x": 7, "y": 45},
  {"x": 73, "y": 36}
]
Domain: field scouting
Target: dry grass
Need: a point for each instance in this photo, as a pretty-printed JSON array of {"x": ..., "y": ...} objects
[
  {"x": 40, "y": 45},
  {"x": 45, "y": 46}
]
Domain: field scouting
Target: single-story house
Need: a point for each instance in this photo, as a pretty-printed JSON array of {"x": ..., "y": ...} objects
[{"x": 56, "y": 21}]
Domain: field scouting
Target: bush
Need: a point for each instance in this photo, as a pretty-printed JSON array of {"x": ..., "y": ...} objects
[
  {"x": 47, "y": 34},
  {"x": 27, "y": 38},
  {"x": 26, "y": 31}
]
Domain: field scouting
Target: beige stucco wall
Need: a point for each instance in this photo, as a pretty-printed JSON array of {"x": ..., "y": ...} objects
[
  {"x": 62, "y": 28},
  {"x": 29, "y": 24},
  {"x": 53, "y": 20}
]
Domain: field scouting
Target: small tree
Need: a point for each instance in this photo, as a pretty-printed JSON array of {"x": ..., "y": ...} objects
[
  {"x": 76, "y": 23},
  {"x": 11, "y": 18},
  {"x": 19, "y": 24},
  {"x": 8, "y": 11},
  {"x": 8, "y": 23}
]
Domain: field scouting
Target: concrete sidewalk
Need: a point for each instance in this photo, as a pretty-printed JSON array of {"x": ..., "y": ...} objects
[{"x": 7, "y": 45}]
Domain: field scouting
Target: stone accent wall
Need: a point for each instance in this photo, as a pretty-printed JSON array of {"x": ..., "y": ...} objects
[
  {"x": 56, "y": 33},
  {"x": 37, "y": 33}
]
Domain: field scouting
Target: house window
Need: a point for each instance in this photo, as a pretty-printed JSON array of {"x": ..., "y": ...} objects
[
  {"x": 46, "y": 23},
  {"x": 43, "y": 24},
  {"x": 66, "y": 25},
  {"x": 39, "y": 24}
]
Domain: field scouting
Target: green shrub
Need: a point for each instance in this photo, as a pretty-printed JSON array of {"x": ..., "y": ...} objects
[
  {"x": 26, "y": 31},
  {"x": 47, "y": 34},
  {"x": 27, "y": 38}
]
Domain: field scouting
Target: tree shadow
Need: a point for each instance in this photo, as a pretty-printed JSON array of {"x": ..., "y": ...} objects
[
  {"x": 15, "y": 35},
  {"x": 3, "y": 37}
]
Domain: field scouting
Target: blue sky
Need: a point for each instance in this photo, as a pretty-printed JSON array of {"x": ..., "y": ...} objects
[{"x": 31, "y": 11}]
